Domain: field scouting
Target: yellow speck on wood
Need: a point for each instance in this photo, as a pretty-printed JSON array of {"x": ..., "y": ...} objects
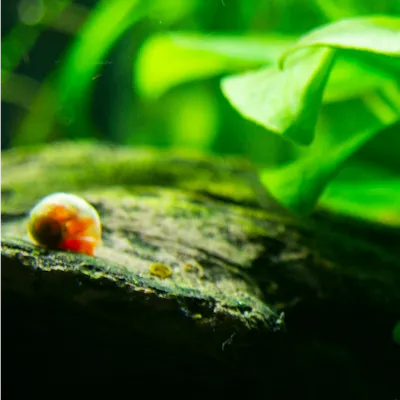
[{"x": 159, "y": 270}]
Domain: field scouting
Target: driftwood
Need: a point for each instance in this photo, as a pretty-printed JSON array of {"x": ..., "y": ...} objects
[{"x": 297, "y": 308}]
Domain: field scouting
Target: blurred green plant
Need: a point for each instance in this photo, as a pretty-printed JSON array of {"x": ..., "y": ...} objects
[
  {"x": 23, "y": 36},
  {"x": 194, "y": 56},
  {"x": 65, "y": 97},
  {"x": 287, "y": 98},
  {"x": 317, "y": 99}
]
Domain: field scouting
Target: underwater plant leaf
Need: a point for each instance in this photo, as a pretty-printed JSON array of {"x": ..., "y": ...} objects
[
  {"x": 344, "y": 80},
  {"x": 285, "y": 102},
  {"x": 169, "y": 59},
  {"x": 374, "y": 34},
  {"x": 341, "y": 130},
  {"x": 366, "y": 191}
]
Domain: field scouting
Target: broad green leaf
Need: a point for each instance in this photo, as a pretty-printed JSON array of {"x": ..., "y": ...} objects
[
  {"x": 285, "y": 102},
  {"x": 342, "y": 129},
  {"x": 383, "y": 149},
  {"x": 344, "y": 80},
  {"x": 336, "y": 10},
  {"x": 373, "y": 34},
  {"x": 366, "y": 191},
  {"x": 168, "y": 59},
  {"x": 299, "y": 184}
]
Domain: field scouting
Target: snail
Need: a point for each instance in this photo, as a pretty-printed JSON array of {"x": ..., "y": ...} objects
[{"x": 65, "y": 221}]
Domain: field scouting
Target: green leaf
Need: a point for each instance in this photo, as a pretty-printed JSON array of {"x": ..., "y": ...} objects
[
  {"x": 373, "y": 34},
  {"x": 285, "y": 102},
  {"x": 344, "y": 80},
  {"x": 341, "y": 130},
  {"x": 169, "y": 59},
  {"x": 366, "y": 191}
]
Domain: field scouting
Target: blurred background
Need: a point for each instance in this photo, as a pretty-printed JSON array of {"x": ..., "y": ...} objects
[
  {"x": 194, "y": 114},
  {"x": 115, "y": 71}
]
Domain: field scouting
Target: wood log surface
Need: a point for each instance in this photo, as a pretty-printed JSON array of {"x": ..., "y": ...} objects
[{"x": 256, "y": 298}]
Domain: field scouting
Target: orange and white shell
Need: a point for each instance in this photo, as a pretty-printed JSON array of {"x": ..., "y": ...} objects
[{"x": 67, "y": 222}]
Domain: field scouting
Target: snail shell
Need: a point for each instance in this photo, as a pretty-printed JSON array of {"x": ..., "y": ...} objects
[{"x": 65, "y": 221}]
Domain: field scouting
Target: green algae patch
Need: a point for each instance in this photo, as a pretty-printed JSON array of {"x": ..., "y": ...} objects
[{"x": 33, "y": 173}]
